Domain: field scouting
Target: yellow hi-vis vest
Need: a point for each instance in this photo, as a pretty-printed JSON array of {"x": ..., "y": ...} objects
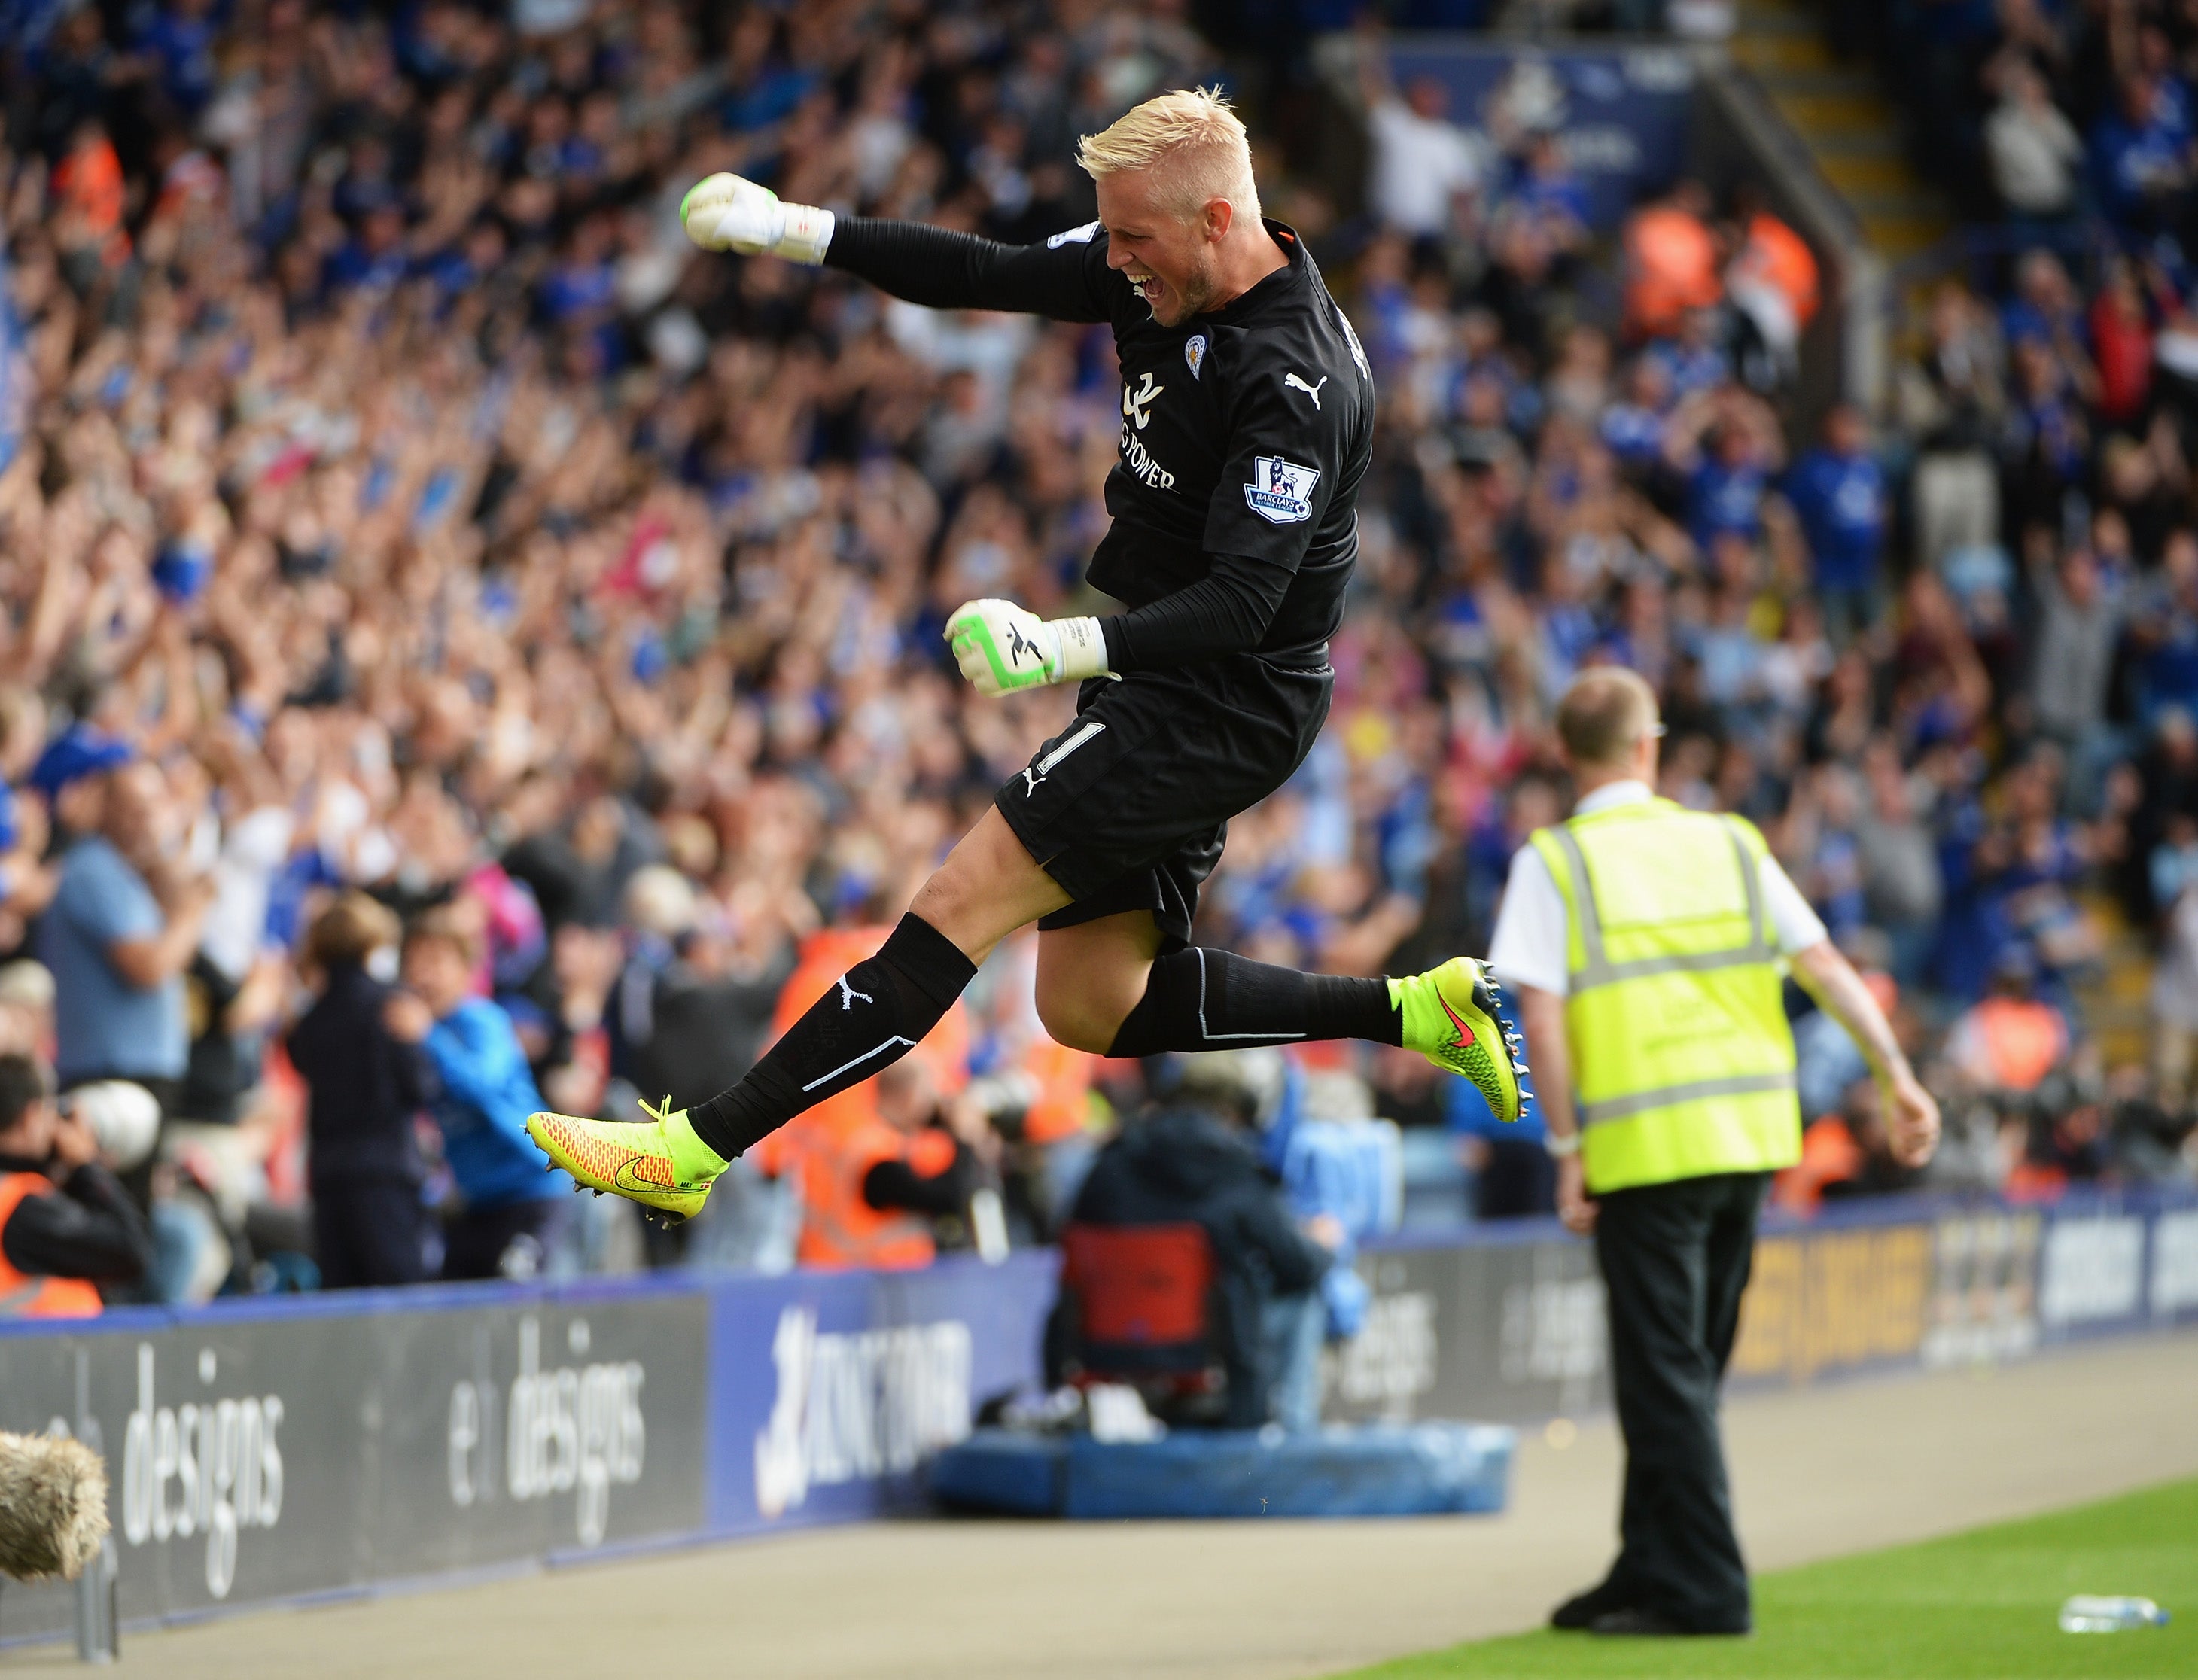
[{"x": 1682, "y": 1064}]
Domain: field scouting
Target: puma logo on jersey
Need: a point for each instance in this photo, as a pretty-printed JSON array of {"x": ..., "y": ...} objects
[
  {"x": 1291, "y": 382},
  {"x": 1136, "y": 406},
  {"x": 848, "y": 995}
]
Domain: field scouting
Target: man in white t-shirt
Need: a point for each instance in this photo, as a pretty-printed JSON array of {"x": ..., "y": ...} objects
[
  {"x": 1655, "y": 1026},
  {"x": 1423, "y": 162}
]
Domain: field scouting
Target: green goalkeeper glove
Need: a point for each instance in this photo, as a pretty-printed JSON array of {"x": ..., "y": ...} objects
[
  {"x": 724, "y": 212},
  {"x": 1003, "y": 648}
]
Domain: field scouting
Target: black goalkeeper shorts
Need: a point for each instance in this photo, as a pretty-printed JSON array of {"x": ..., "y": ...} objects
[{"x": 1127, "y": 808}]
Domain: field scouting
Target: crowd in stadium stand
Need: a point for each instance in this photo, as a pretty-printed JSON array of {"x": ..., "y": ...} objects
[{"x": 463, "y": 649}]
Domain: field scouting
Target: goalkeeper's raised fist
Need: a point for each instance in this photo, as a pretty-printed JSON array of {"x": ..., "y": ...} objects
[
  {"x": 1002, "y": 647},
  {"x": 724, "y": 212}
]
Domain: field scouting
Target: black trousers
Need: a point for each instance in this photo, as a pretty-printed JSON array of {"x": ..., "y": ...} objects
[
  {"x": 510, "y": 1241},
  {"x": 369, "y": 1233},
  {"x": 1675, "y": 1259},
  {"x": 1518, "y": 1180}
]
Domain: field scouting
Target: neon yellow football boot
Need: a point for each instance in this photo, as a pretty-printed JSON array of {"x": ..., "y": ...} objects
[
  {"x": 1451, "y": 1019},
  {"x": 657, "y": 1162}
]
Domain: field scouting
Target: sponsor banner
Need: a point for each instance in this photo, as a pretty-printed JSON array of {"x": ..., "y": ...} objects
[
  {"x": 831, "y": 1390},
  {"x": 269, "y": 1450},
  {"x": 1833, "y": 1299},
  {"x": 275, "y": 1450},
  {"x": 2092, "y": 1270},
  {"x": 1503, "y": 1331},
  {"x": 1509, "y": 1327},
  {"x": 265, "y": 1453},
  {"x": 1984, "y": 1286},
  {"x": 2174, "y": 1280}
]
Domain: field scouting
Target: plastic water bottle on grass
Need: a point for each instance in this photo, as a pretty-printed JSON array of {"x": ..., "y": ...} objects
[{"x": 2086, "y": 1614}]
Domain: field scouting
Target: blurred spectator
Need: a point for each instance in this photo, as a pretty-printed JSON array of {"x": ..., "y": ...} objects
[
  {"x": 1423, "y": 164},
  {"x": 1772, "y": 280},
  {"x": 125, "y": 919},
  {"x": 67, "y": 1225},
  {"x": 1838, "y": 491},
  {"x": 365, "y": 1088},
  {"x": 2006, "y": 1042},
  {"x": 2035, "y": 154},
  {"x": 2139, "y": 161},
  {"x": 680, "y": 1019},
  {"x": 512, "y": 1203},
  {"x": 1190, "y": 1164},
  {"x": 1843, "y": 1154},
  {"x": 1671, "y": 263}
]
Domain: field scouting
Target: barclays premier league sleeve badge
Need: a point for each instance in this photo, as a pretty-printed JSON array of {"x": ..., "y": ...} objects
[{"x": 1280, "y": 493}]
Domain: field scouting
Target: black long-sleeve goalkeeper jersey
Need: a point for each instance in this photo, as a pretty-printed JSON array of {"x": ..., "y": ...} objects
[{"x": 1246, "y": 433}]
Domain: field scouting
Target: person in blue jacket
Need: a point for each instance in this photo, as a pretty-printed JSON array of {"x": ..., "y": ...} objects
[
  {"x": 1838, "y": 492},
  {"x": 484, "y": 1092}
]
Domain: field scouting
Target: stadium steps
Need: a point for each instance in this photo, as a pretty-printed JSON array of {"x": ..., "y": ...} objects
[{"x": 1843, "y": 117}]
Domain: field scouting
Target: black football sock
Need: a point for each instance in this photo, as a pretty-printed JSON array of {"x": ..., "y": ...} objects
[
  {"x": 876, "y": 1012},
  {"x": 1215, "y": 1000}
]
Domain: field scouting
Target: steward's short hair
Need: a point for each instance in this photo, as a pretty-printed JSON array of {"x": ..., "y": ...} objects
[
  {"x": 1605, "y": 712},
  {"x": 1195, "y": 135}
]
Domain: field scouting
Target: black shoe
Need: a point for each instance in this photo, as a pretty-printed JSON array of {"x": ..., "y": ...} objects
[
  {"x": 1577, "y": 1613},
  {"x": 1632, "y": 1619}
]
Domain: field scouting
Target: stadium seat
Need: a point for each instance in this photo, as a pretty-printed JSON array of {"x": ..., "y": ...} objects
[{"x": 1138, "y": 1306}]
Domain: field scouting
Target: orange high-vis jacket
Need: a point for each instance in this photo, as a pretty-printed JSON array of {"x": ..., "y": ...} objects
[
  {"x": 1781, "y": 258},
  {"x": 1063, "y": 1102},
  {"x": 839, "y": 1230},
  {"x": 2023, "y": 1038},
  {"x": 1670, "y": 267},
  {"x": 22, "y": 1295}
]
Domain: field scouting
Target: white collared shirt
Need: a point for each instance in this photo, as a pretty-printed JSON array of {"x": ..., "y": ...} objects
[{"x": 1529, "y": 947}]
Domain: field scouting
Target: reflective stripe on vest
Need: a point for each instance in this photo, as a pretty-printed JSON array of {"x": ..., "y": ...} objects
[
  {"x": 1744, "y": 1084},
  {"x": 1682, "y": 1062},
  {"x": 25, "y": 1296}
]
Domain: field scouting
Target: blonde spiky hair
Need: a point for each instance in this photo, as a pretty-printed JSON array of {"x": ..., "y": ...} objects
[{"x": 1193, "y": 130}]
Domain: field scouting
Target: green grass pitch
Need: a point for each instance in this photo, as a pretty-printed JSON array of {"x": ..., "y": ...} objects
[{"x": 1979, "y": 1606}]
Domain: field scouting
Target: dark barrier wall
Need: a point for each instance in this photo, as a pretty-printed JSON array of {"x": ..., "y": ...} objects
[
  {"x": 268, "y": 1450},
  {"x": 271, "y": 1451},
  {"x": 1511, "y": 1329}
]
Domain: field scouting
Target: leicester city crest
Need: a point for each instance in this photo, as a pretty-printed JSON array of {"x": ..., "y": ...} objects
[{"x": 1193, "y": 351}]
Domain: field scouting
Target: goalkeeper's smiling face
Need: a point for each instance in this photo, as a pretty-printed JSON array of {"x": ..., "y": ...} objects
[{"x": 1173, "y": 260}]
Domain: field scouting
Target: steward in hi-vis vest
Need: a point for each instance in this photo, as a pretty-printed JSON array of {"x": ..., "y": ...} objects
[
  {"x": 1675, "y": 980},
  {"x": 1649, "y": 946}
]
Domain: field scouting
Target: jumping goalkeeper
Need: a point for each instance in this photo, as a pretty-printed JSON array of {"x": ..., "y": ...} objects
[{"x": 1247, "y": 423}]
